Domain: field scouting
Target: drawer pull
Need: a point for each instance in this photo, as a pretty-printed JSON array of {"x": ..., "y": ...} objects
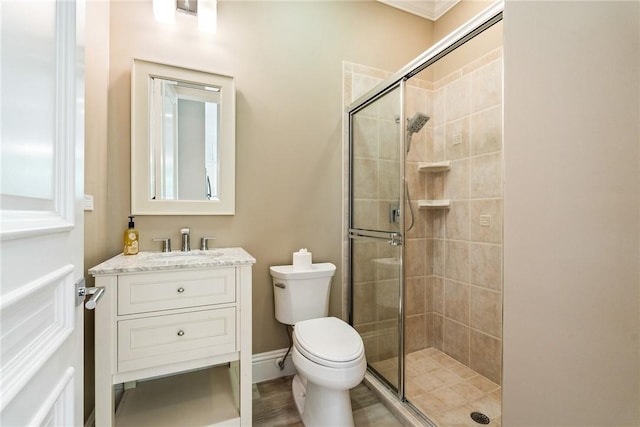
[
  {"x": 180, "y": 333},
  {"x": 180, "y": 290}
]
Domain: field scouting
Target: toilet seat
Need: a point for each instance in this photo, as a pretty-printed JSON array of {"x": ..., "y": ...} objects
[{"x": 328, "y": 341}]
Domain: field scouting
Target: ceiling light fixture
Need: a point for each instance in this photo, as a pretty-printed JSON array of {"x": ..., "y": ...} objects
[
  {"x": 208, "y": 15},
  {"x": 206, "y": 10},
  {"x": 164, "y": 11}
]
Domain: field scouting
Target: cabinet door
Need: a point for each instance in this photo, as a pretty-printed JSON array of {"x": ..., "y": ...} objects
[
  {"x": 142, "y": 293},
  {"x": 160, "y": 340}
]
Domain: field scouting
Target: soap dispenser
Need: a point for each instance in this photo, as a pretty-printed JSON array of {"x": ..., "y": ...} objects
[{"x": 131, "y": 246}]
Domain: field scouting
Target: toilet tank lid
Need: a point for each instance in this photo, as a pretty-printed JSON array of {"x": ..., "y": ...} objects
[{"x": 316, "y": 270}]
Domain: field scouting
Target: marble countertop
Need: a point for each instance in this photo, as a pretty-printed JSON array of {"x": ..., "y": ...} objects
[{"x": 156, "y": 261}]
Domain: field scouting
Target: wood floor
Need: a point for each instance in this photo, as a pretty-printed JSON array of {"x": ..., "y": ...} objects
[{"x": 273, "y": 406}]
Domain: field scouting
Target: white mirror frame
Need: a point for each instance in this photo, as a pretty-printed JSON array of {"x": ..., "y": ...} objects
[{"x": 141, "y": 203}]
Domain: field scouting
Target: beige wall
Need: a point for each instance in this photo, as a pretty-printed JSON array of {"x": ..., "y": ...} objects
[
  {"x": 571, "y": 317},
  {"x": 96, "y": 90},
  {"x": 286, "y": 58}
]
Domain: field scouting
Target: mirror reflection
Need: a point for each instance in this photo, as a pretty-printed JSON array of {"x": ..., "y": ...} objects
[{"x": 184, "y": 141}]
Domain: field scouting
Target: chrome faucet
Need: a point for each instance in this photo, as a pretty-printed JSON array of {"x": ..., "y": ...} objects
[
  {"x": 185, "y": 239},
  {"x": 204, "y": 242},
  {"x": 166, "y": 243}
]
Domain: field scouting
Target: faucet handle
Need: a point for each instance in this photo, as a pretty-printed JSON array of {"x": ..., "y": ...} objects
[
  {"x": 184, "y": 230},
  {"x": 166, "y": 243},
  {"x": 204, "y": 242}
]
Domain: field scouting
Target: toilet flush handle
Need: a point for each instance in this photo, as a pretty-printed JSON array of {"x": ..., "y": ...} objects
[{"x": 279, "y": 285}]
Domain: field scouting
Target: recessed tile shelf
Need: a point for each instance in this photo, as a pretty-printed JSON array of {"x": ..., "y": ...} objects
[
  {"x": 434, "y": 167},
  {"x": 434, "y": 204}
]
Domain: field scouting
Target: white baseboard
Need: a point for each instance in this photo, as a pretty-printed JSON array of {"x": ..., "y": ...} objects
[{"x": 265, "y": 365}]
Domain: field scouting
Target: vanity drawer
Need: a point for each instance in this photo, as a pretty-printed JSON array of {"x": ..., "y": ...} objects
[
  {"x": 160, "y": 340},
  {"x": 142, "y": 293}
]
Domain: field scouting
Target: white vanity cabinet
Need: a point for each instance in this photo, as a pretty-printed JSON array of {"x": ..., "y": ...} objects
[{"x": 182, "y": 323}]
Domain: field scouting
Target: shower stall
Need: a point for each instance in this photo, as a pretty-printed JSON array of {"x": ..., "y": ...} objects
[{"x": 425, "y": 226}]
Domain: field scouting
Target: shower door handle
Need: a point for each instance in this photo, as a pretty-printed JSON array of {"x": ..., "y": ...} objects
[{"x": 394, "y": 239}]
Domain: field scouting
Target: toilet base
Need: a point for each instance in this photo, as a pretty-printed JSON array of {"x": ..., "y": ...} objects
[
  {"x": 298, "y": 388},
  {"x": 319, "y": 406}
]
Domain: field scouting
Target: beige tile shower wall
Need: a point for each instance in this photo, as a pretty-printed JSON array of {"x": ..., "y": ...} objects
[
  {"x": 418, "y": 246},
  {"x": 467, "y": 238}
]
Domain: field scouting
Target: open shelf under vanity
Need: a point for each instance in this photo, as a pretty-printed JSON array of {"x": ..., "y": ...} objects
[{"x": 207, "y": 397}]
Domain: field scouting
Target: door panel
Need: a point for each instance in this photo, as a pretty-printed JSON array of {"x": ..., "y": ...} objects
[
  {"x": 376, "y": 277},
  {"x": 375, "y": 227},
  {"x": 41, "y": 246},
  {"x": 375, "y": 164}
]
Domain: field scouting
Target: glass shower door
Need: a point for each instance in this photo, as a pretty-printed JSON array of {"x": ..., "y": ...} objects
[{"x": 375, "y": 231}]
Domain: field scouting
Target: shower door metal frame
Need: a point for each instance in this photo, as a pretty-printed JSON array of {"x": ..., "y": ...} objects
[
  {"x": 483, "y": 21},
  {"x": 393, "y": 238}
]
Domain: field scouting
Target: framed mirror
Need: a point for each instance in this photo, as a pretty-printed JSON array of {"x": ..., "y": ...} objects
[{"x": 182, "y": 141}]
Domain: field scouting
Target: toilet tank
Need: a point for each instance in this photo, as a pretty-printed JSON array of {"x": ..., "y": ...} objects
[{"x": 301, "y": 295}]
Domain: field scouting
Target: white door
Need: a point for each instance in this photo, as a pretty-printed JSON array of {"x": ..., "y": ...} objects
[{"x": 41, "y": 186}]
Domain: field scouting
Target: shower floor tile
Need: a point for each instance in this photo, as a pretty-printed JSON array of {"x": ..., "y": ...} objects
[{"x": 447, "y": 391}]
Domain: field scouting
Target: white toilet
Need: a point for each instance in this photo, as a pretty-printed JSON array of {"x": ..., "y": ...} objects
[{"x": 327, "y": 353}]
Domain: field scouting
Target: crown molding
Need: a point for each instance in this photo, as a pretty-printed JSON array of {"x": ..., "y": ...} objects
[{"x": 428, "y": 9}]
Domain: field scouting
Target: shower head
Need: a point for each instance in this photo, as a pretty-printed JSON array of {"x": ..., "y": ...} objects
[{"x": 415, "y": 123}]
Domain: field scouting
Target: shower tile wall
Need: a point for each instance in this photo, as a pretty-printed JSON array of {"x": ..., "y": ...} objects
[
  {"x": 453, "y": 258},
  {"x": 466, "y": 240},
  {"x": 418, "y": 240}
]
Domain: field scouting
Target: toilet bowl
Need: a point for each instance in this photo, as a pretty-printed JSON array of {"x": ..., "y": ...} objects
[
  {"x": 329, "y": 357},
  {"x": 328, "y": 353}
]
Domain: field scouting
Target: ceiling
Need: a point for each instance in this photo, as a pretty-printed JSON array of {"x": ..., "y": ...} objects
[{"x": 429, "y": 9}]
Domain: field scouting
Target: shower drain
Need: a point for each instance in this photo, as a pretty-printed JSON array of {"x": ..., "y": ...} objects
[{"x": 480, "y": 418}]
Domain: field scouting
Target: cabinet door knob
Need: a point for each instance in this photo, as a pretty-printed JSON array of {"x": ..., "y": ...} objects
[
  {"x": 180, "y": 333},
  {"x": 180, "y": 290}
]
